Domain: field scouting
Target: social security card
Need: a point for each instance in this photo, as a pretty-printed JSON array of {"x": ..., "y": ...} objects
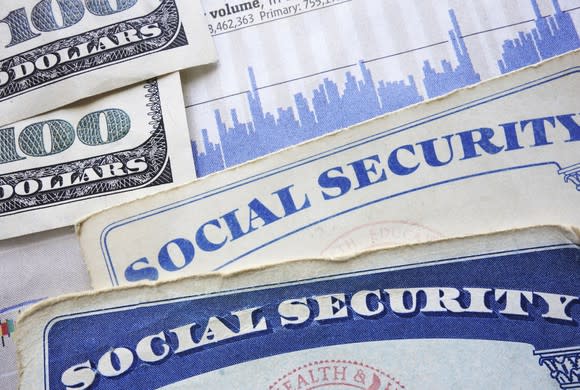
[
  {"x": 486, "y": 312},
  {"x": 501, "y": 155}
]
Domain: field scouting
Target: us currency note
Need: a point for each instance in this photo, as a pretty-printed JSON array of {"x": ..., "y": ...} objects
[
  {"x": 502, "y": 155},
  {"x": 60, "y": 166},
  {"x": 470, "y": 313},
  {"x": 56, "y": 52}
]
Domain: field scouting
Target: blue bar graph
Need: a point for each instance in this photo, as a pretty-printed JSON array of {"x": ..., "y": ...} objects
[
  {"x": 450, "y": 79},
  {"x": 552, "y": 35},
  {"x": 332, "y": 107}
]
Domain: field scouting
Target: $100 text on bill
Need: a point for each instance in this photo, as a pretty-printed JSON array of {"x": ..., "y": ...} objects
[
  {"x": 57, "y": 52},
  {"x": 95, "y": 154}
]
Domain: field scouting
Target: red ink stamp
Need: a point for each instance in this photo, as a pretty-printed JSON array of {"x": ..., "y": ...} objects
[
  {"x": 336, "y": 374},
  {"x": 379, "y": 234}
]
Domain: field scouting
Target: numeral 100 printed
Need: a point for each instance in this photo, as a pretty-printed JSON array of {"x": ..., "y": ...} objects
[{"x": 53, "y": 15}]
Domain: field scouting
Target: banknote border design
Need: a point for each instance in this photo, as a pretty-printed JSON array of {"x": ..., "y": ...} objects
[
  {"x": 154, "y": 150},
  {"x": 453, "y": 260},
  {"x": 168, "y": 40},
  {"x": 405, "y": 127}
]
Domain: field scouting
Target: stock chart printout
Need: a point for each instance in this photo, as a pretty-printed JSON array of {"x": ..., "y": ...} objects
[{"x": 292, "y": 70}]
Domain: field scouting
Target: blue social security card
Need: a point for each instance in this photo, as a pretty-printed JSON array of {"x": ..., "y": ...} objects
[{"x": 487, "y": 312}]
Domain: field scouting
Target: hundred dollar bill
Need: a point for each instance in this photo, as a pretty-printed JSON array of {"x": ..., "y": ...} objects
[
  {"x": 486, "y": 312},
  {"x": 502, "y": 155},
  {"x": 58, "y": 167},
  {"x": 56, "y": 52}
]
